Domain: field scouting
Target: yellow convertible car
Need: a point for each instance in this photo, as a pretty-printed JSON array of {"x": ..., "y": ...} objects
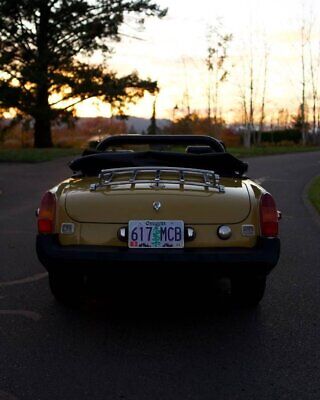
[{"x": 157, "y": 205}]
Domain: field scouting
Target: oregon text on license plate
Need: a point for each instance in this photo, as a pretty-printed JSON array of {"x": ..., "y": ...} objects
[{"x": 156, "y": 234}]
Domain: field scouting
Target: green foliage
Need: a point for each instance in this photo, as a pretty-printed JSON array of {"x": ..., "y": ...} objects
[
  {"x": 287, "y": 135},
  {"x": 255, "y": 151},
  {"x": 43, "y": 51},
  {"x": 40, "y": 155},
  {"x": 194, "y": 124},
  {"x": 298, "y": 121},
  {"x": 314, "y": 193}
]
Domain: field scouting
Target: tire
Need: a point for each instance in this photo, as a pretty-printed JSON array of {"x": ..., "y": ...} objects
[
  {"x": 248, "y": 292},
  {"x": 68, "y": 289}
]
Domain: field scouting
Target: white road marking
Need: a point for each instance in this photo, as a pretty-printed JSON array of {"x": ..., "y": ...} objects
[
  {"x": 28, "y": 279},
  {"x": 24, "y": 313}
]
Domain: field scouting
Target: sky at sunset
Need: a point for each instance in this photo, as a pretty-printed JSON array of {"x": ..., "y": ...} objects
[{"x": 172, "y": 51}]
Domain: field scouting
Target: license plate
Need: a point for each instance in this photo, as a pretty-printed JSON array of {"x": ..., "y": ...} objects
[{"x": 156, "y": 234}]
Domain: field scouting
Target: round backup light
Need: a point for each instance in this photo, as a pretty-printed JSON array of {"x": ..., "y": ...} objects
[{"x": 224, "y": 232}]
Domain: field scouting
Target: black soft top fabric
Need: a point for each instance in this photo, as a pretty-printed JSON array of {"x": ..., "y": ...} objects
[{"x": 222, "y": 163}]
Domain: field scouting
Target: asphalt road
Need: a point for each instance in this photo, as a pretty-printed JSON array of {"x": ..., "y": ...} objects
[{"x": 48, "y": 352}]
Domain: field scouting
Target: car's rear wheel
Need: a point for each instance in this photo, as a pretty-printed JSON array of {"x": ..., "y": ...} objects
[
  {"x": 68, "y": 289},
  {"x": 248, "y": 291}
]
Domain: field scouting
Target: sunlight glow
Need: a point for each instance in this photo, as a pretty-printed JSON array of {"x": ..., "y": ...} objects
[{"x": 172, "y": 51}]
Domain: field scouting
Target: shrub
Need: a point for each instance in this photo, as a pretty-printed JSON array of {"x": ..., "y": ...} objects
[{"x": 286, "y": 135}]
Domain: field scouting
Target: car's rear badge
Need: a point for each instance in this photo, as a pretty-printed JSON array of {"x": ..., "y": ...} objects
[{"x": 156, "y": 205}]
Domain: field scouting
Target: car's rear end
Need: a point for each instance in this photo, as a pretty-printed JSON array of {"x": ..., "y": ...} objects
[{"x": 159, "y": 221}]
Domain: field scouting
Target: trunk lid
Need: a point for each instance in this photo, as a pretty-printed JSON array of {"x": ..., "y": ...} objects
[{"x": 193, "y": 205}]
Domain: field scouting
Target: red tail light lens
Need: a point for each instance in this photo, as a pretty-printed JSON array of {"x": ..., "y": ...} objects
[
  {"x": 47, "y": 213},
  {"x": 268, "y": 216}
]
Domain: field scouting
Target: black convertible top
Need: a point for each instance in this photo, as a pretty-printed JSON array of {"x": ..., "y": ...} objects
[
  {"x": 92, "y": 162},
  {"x": 222, "y": 163}
]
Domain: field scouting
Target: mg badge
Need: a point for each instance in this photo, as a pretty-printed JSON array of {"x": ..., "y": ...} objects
[{"x": 156, "y": 205}]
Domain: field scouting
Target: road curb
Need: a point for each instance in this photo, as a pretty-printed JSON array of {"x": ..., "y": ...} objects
[{"x": 309, "y": 206}]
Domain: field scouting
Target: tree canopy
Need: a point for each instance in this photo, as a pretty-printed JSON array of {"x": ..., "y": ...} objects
[{"x": 44, "y": 48}]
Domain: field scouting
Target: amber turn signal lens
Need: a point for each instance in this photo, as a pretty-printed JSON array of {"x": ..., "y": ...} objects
[{"x": 47, "y": 213}]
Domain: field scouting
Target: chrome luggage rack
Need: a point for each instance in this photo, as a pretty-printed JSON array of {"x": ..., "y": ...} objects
[{"x": 208, "y": 179}]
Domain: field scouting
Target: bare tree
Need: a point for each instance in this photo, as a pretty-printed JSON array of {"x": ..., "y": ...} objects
[
  {"x": 314, "y": 60},
  {"x": 283, "y": 118},
  {"x": 250, "y": 125},
  {"x": 247, "y": 92},
  {"x": 304, "y": 40},
  {"x": 242, "y": 86},
  {"x": 186, "y": 93},
  {"x": 218, "y": 71},
  {"x": 264, "y": 90}
]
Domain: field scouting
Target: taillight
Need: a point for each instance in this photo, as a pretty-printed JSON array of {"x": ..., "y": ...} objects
[
  {"x": 268, "y": 216},
  {"x": 47, "y": 213}
]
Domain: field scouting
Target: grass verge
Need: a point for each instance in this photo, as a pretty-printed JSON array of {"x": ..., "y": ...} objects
[
  {"x": 269, "y": 150},
  {"x": 30, "y": 155},
  {"x": 314, "y": 193}
]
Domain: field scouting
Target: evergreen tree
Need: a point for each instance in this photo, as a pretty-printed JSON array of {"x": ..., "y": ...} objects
[{"x": 44, "y": 45}]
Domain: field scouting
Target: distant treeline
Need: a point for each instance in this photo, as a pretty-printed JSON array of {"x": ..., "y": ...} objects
[{"x": 288, "y": 135}]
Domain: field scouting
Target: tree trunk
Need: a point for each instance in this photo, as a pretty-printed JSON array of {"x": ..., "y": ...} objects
[
  {"x": 247, "y": 137},
  {"x": 263, "y": 102},
  {"x": 251, "y": 130},
  {"x": 42, "y": 115},
  {"x": 42, "y": 112},
  {"x": 303, "y": 100},
  {"x": 42, "y": 132}
]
